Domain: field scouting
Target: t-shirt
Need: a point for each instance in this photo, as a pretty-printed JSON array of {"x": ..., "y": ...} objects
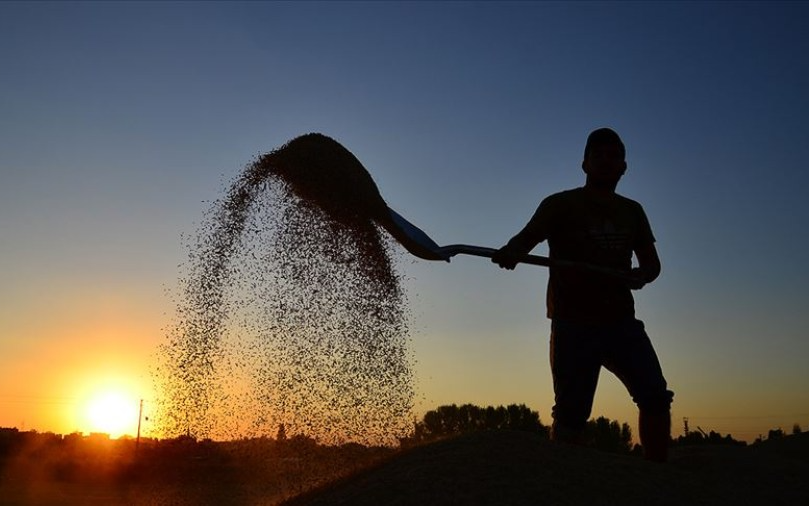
[{"x": 584, "y": 226}]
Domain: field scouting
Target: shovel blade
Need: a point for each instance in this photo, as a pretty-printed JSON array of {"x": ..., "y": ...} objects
[{"x": 411, "y": 237}]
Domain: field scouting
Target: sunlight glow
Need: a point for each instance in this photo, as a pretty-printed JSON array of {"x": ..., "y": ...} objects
[{"x": 112, "y": 412}]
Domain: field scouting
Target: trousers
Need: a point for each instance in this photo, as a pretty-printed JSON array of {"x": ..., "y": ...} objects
[{"x": 578, "y": 351}]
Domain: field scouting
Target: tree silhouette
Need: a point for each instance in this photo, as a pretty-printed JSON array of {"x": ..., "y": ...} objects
[
  {"x": 452, "y": 419},
  {"x": 700, "y": 437},
  {"x": 609, "y": 435}
]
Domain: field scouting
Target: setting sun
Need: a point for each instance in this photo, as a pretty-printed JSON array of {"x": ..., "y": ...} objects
[{"x": 112, "y": 412}]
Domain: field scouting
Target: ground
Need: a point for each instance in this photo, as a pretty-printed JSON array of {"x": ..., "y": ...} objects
[
  {"x": 513, "y": 468},
  {"x": 500, "y": 468}
]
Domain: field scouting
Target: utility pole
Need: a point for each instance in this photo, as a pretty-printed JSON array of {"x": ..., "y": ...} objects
[{"x": 140, "y": 417}]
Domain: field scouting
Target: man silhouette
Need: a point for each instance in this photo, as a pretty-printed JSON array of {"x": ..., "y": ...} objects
[{"x": 592, "y": 314}]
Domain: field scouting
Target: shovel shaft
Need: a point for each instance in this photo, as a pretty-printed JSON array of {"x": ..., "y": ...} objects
[
  {"x": 419, "y": 244},
  {"x": 480, "y": 251}
]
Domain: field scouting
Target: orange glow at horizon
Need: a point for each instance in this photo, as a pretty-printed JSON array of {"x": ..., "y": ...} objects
[{"x": 114, "y": 412}]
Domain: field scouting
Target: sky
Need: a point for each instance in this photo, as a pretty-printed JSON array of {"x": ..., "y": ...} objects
[{"x": 120, "y": 122}]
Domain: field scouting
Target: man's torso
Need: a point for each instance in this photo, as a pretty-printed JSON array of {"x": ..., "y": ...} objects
[{"x": 582, "y": 226}]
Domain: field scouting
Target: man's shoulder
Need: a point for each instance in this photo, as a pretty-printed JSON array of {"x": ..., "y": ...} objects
[
  {"x": 580, "y": 197},
  {"x": 564, "y": 196},
  {"x": 628, "y": 201}
]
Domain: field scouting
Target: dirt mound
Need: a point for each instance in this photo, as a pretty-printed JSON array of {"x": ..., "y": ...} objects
[{"x": 514, "y": 468}]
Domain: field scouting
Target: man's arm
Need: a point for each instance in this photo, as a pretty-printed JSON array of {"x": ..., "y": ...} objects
[
  {"x": 534, "y": 232},
  {"x": 520, "y": 245},
  {"x": 648, "y": 268}
]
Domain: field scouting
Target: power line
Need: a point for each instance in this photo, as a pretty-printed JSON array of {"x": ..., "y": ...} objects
[
  {"x": 46, "y": 398},
  {"x": 37, "y": 399},
  {"x": 747, "y": 417}
]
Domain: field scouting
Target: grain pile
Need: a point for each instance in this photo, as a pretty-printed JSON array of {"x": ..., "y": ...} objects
[{"x": 290, "y": 310}]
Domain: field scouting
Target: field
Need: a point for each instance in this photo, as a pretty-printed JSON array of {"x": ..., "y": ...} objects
[
  {"x": 87, "y": 471},
  {"x": 486, "y": 468}
]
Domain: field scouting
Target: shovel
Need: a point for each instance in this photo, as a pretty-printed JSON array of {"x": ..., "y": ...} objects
[
  {"x": 323, "y": 172},
  {"x": 421, "y": 245}
]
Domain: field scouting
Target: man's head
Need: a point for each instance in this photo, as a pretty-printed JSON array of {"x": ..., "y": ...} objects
[{"x": 604, "y": 158}]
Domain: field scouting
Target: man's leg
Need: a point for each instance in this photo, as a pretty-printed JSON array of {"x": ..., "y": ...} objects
[
  {"x": 633, "y": 360},
  {"x": 575, "y": 365},
  {"x": 655, "y": 433}
]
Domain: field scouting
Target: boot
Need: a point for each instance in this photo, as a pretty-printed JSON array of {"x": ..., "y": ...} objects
[
  {"x": 655, "y": 434},
  {"x": 562, "y": 434}
]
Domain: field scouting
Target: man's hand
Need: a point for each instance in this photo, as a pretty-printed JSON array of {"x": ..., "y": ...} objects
[
  {"x": 648, "y": 266},
  {"x": 507, "y": 257},
  {"x": 637, "y": 279}
]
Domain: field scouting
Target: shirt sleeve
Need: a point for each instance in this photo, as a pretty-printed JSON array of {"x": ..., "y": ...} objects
[
  {"x": 538, "y": 227},
  {"x": 645, "y": 235}
]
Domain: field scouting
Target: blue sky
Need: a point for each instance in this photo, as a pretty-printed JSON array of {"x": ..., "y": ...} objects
[{"x": 119, "y": 122}]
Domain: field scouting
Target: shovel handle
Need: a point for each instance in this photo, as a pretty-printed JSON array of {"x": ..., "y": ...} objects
[{"x": 480, "y": 251}]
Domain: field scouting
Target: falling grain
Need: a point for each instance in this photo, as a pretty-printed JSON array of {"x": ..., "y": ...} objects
[{"x": 290, "y": 311}]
